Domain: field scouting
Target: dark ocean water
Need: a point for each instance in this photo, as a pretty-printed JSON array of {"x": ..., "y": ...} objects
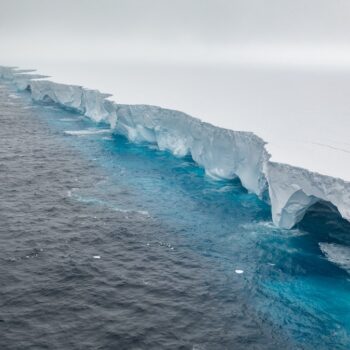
[{"x": 111, "y": 245}]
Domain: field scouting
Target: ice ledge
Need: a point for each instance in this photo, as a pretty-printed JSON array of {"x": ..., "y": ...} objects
[{"x": 222, "y": 153}]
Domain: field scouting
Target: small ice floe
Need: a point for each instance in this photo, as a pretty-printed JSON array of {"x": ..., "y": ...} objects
[
  {"x": 14, "y": 96},
  {"x": 142, "y": 212},
  {"x": 67, "y": 119},
  {"x": 239, "y": 271},
  {"x": 167, "y": 245},
  {"x": 97, "y": 257},
  {"x": 108, "y": 138},
  {"x": 131, "y": 211},
  {"x": 85, "y": 132}
]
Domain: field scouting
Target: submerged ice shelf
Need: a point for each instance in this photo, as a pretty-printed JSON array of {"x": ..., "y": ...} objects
[{"x": 221, "y": 152}]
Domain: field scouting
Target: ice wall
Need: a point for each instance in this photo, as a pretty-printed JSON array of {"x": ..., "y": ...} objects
[{"x": 222, "y": 153}]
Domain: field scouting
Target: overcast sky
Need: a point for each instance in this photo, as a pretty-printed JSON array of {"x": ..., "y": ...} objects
[
  {"x": 217, "y": 60},
  {"x": 266, "y": 31}
]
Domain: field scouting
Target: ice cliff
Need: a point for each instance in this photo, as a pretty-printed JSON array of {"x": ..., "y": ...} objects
[{"x": 222, "y": 153}]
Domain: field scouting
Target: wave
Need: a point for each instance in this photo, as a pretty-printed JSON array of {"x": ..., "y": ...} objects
[
  {"x": 337, "y": 254},
  {"x": 104, "y": 203}
]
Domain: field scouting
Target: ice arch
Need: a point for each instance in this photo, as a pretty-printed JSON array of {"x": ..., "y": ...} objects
[{"x": 293, "y": 190}]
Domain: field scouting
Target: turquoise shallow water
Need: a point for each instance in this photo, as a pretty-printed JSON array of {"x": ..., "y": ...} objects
[{"x": 168, "y": 242}]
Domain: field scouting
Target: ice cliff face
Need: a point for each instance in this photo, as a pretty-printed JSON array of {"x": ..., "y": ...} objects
[
  {"x": 222, "y": 153},
  {"x": 90, "y": 103}
]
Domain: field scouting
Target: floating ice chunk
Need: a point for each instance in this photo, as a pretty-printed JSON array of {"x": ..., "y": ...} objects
[
  {"x": 85, "y": 132},
  {"x": 67, "y": 119}
]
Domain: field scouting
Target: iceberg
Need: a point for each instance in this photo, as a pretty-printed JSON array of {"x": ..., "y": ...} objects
[{"x": 223, "y": 153}]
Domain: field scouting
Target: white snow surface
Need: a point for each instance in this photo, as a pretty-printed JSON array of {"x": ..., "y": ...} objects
[{"x": 285, "y": 132}]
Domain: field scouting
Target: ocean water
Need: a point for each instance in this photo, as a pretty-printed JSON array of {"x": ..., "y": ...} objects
[{"x": 107, "y": 244}]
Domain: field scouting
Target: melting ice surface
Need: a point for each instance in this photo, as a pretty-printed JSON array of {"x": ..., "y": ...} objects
[{"x": 296, "y": 282}]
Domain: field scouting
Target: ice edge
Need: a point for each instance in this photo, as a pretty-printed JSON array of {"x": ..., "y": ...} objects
[{"x": 221, "y": 152}]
